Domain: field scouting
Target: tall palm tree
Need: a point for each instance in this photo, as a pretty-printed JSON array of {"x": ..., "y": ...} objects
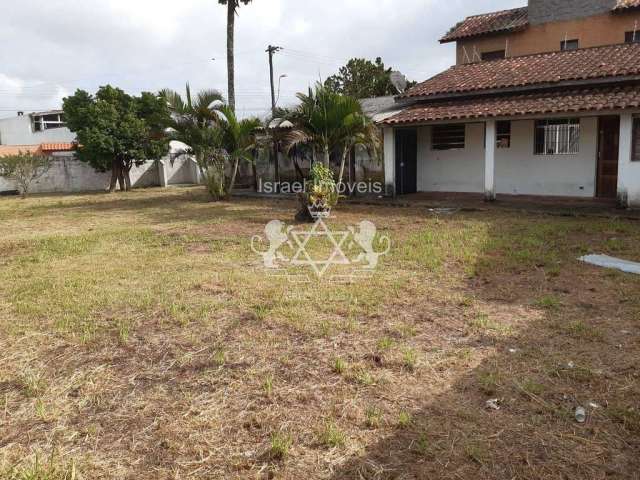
[{"x": 232, "y": 8}]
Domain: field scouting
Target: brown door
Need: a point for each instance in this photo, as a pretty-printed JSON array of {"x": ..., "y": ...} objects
[{"x": 608, "y": 138}]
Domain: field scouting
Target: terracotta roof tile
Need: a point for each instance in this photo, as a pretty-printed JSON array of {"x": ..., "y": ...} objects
[
  {"x": 564, "y": 101},
  {"x": 622, "y": 5},
  {"x": 544, "y": 68},
  {"x": 58, "y": 147},
  {"x": 6, "y": 150},
  {"x": 495, "y": 22}
]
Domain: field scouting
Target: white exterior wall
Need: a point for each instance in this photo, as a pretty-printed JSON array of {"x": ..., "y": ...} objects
[
  {"x": 452, "y": 170},
  {"x": 517, "y": 170},
  {"x": 520, "y": 172},
  {"x": 628, "y": 170},
  {"x": 19, "y": 131},
  {"x": 67, "y": 174}
]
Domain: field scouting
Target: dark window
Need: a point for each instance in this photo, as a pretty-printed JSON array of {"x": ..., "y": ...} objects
[
  {"x": 632, "y": 37},
  {"x": 495, "y": 55},
  {"x": 503, "y": 134},
  {"x": 557, "y": 136},
  {"x": 49, "y": 121},
  {"x": 569, "y": 45},
  {"x": 635, "y": 154},
  {"x": 447, "y": 137}
]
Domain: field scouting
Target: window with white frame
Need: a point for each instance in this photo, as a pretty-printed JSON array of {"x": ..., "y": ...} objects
[
  {"x": 557, "y": 136},
  {"x": 48, "y": 121}
]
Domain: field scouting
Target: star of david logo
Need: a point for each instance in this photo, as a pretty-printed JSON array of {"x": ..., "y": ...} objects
[{"x": 319, "y": 230}]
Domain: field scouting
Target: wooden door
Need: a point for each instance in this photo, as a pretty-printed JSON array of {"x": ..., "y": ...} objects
[
  {"x": 406, "y": 161},
  {"x": 608, "y": 144}
]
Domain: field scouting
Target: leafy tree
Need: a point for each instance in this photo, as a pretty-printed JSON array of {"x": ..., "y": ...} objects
[
  {"x": 24, "y": 168},
  {"x": 232, "y": 8},
  {"x": 361, "y": 78},
  {"x": 116, "y": 131}
]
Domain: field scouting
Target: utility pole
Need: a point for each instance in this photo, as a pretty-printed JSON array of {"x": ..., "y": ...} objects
[{"x": 271, "y": 50}]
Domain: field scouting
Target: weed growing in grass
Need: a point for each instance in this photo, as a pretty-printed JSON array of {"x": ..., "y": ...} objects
[
  {"x": 580, "y": 329},
  {"x": 532, "y": 387},
  {"x": 404, "y": 419},
  {"x": 477, "y": 452},
  {"x": 410, "y": 359},
  {"x": 331, "y": 436},
  {"x": 39, "y": 471},
  {"x": 385, "y": 344},
  {"x": 32, "y": 383},
  {"x": 40, "y": 409},
  {"x": 123, "y": 331},
  {"x": 220, "y": 358},
  {"x": 548, "y": 302},
  {"x": 261, "y": 311},
  {"x": 627, "y": 416},
  {"x": 363, "y": 377},
  {"x": 422, "y": 445},
  {"x": 339, "y": 366},
  {"x": 482, "y": 323},
  {"x": 267, "y": 385},
  {"x": 373, "y": 417},
  {"x": 489, "y": 382},
  {"x": 280, "y": 445}
]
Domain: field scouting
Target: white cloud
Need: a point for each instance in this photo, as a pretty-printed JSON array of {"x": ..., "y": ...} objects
[{"x": 48, "y": 48}]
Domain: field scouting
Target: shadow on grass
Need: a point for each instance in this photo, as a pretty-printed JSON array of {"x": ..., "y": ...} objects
[{"x": 575, "y": 345}]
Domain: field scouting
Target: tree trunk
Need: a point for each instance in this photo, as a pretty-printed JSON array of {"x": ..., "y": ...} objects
[
  {"x": 254, "y": 169},
  {"x": 345, "y": 152},
  {"x": 114, "y": 175},
  {"x": 296, "y": 165},
  {"x": 231, "y": 20},
  {"x": 232, "y": 181},
  {"x": 121, "y": 183},
  {"x": 127, "y": 177},
  {"x": 327, "y": 158}
]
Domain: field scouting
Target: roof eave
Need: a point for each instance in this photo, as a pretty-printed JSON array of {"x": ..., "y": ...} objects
[
  {"x": 447, "y": 39},
  {"x": 593, "y": 82}
]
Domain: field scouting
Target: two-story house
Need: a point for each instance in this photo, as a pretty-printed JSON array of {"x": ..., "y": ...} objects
[{"x": 543, "y": 100}]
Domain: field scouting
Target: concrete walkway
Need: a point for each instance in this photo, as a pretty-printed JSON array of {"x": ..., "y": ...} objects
[{"x": 560, "y": 206}]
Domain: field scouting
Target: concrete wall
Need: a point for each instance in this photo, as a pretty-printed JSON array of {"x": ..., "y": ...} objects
[
  {"x": 19, "y": 131},
  {"x": 452, "y": 170},
  {"x": 67, "y": 174},
  {"x": 517, "y": 171},
  {"x": 520, "y": 172},
  {"x": 541, "y": 11},
  {"x": 606, "y": 29},
  {"x": 628, "y": 168}
]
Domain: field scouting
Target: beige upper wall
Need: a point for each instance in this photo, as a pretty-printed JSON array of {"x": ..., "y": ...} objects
[{"x": 593, "y": 31}]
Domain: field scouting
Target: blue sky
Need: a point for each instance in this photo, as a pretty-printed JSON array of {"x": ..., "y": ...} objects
[{"x": 49, "y": 48}]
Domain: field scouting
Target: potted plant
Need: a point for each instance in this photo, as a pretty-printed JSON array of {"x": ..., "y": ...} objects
[{"x": 320, "y": 195}]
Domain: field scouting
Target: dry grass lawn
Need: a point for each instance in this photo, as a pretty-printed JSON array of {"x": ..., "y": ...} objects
[{"x": 140, "y": 339}]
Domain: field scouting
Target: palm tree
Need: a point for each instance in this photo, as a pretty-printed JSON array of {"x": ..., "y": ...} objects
[
  {"x": 358, "y": 130},
  {"x": 195, "y": 123},
  {"x": 232, "y": 8},
  {"x": 238, "y": 141},
  {"x": 327, "y": 122}
]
